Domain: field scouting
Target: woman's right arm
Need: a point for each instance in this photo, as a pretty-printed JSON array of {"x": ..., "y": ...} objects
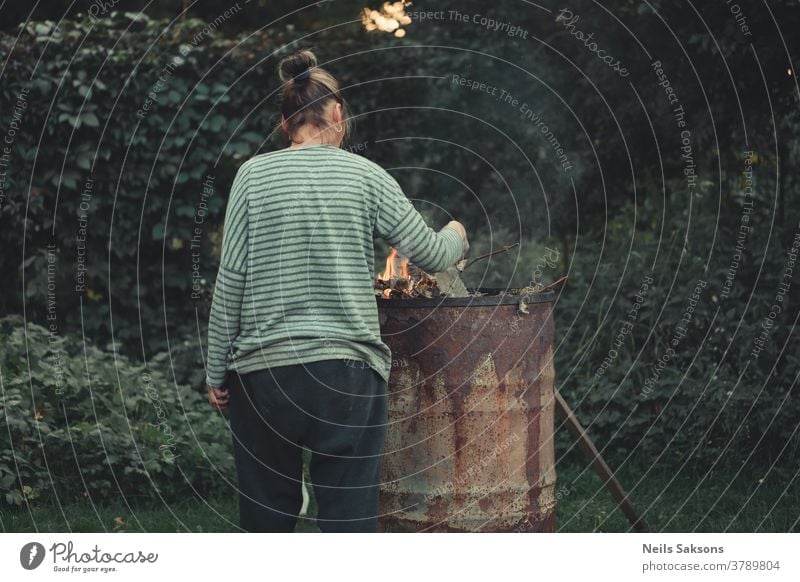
[
  {"x": 402, "y": 226},
  {"x": 226, "y": 304}
]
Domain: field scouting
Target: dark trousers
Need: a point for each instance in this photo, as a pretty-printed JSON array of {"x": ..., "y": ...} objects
[{"x": 336, "y": 408}]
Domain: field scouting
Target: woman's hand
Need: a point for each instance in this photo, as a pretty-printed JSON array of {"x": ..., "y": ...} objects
[
  {"x": 217, "y": 397},
  {"x": 458, "y": 227}
]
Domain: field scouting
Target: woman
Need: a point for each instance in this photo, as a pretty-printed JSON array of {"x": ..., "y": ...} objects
[{"x": 293, "y": 341}]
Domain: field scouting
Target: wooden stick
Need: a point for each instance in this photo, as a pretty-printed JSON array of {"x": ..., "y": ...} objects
[
  {"x": 505, "y": 249},
  {"x": 551, "y": 285},
  {"x": 600, "y": 466}
]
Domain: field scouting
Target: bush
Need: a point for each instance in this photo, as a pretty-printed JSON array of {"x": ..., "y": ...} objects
[
  {"x": 116, "y": 162},
  {"x": 135, "y": 230},
  {"x": 84, "y": 422},
  {"x": 710, "y": 402}
]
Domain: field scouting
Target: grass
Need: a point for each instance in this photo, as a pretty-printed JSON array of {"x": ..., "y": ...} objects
[
  {"x": 679, "y": 502},
  {"x": 670, "y": 503}
]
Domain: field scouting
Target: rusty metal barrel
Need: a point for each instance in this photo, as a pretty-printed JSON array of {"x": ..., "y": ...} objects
[{"x": 469, "y": 444}]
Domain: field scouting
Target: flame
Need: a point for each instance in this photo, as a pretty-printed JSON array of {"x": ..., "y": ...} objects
[
  {"x": 393, "y": 270},
  {"x": 400, "y": 280}
]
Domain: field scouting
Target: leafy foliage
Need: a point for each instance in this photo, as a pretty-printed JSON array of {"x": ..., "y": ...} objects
[
  {"x": 79, "y": 422},
  {"x": 679, "y": 381},
  {"x": 97, "y": 110}
]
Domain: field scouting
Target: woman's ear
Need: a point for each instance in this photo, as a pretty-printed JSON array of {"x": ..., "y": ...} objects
[
  {"x": 337, "y": 114},
  {"x": 283, "y": 125}
]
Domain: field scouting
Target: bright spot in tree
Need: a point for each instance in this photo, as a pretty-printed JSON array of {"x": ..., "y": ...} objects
[{"x": 390, "y": 17}]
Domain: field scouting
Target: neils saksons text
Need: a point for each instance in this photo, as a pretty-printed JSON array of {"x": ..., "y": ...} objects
[{"x": 681, "y": 549}]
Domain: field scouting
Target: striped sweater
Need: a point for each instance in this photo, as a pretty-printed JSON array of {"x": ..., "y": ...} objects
[{"x": 297, "y": 269}]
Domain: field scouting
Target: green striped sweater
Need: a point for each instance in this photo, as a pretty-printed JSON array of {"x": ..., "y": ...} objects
[{"x": 296, "y": 274}]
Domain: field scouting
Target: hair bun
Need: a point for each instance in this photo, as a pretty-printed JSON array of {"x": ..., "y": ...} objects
[{"x": 296, "y": 66}]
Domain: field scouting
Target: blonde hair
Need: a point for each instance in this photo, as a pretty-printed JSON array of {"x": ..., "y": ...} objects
[{"x": 307, "y": 91}]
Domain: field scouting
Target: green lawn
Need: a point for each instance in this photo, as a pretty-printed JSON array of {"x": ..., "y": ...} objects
[{"x": 671, "y": 504}]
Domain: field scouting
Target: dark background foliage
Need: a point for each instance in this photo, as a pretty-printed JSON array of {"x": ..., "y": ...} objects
[{"x": 622, "y": 211}]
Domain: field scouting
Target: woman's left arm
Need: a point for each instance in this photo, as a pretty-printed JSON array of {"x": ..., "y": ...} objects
[{"x": 226, "y": 305}]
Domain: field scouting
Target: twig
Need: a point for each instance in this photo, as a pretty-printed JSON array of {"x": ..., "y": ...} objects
[
  {"x": 553, "y": 284},
  {"x": 505, "y": 249}
]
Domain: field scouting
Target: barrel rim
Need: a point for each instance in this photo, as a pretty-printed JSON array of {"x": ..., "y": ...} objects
[{"x": 488, "y": 300}]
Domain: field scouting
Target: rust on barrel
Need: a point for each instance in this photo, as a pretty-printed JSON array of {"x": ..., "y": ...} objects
[{"x": 469, "y": 444}]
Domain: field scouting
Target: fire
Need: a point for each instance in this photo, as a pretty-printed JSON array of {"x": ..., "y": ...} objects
[
  {"x": 401, "y": 279},
  {"x": 395, "y": 269}
]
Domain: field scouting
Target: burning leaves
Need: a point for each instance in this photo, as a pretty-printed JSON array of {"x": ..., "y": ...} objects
[{"x": 403, "y": 280}]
